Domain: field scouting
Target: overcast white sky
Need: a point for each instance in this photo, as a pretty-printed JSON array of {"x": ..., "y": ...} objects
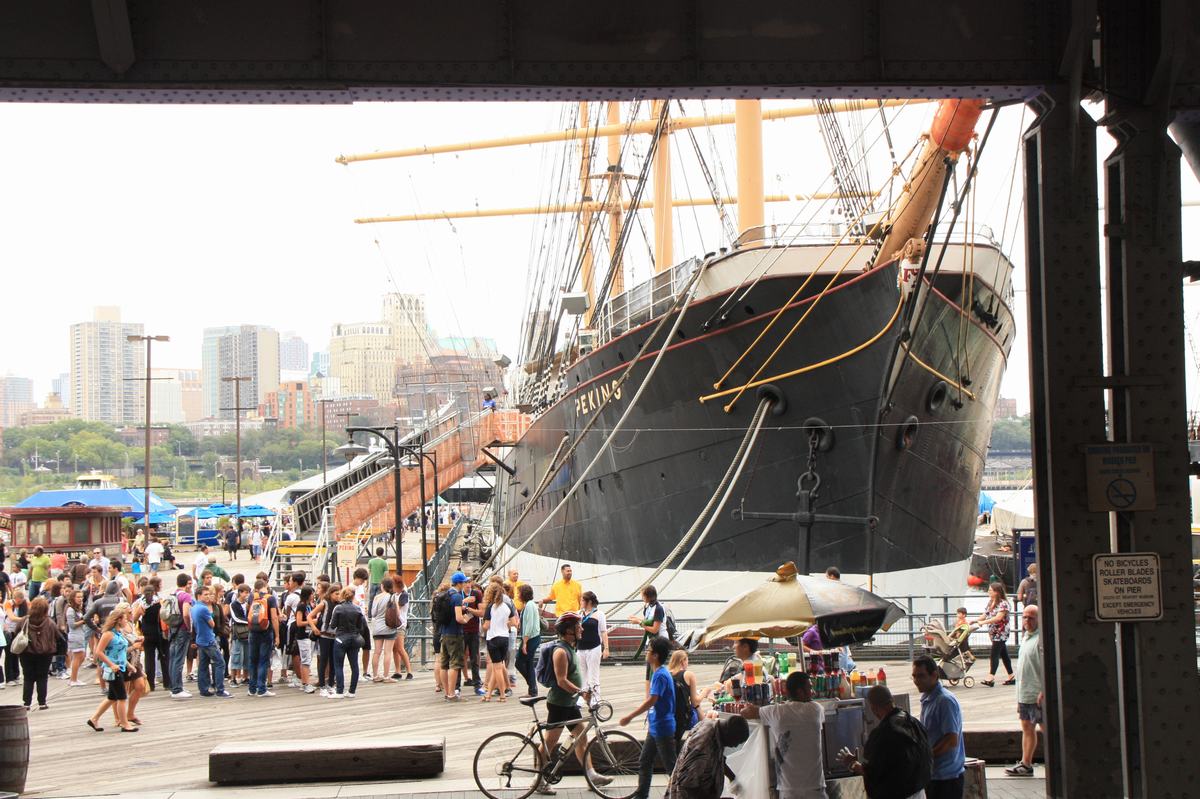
[{"x": 190, "y": 216}]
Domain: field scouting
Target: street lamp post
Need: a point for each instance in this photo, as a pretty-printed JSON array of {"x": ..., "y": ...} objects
[
  {"x": 146, "y": 464},
  {"x": 350, "y": 450},
  {"x": 237, "y": 427}
]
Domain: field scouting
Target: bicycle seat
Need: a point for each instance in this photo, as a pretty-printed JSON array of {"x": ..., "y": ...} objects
[{"x": 530, "y": 701}]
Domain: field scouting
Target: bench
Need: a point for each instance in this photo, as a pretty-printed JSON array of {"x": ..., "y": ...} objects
[{"x": 328, "y": 760}]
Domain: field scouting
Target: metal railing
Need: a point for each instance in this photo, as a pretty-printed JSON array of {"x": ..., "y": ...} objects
[
  {"x": 420, "y": 629},
  {"x": 903, "y": 641}
]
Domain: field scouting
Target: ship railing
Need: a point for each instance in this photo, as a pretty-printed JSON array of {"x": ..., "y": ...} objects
[
  {"x": 903, "y": 641},
  {"x": 645, "y": 301}
]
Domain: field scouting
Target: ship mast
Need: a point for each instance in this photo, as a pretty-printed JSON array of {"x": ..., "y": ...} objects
[
  {"x": 664, "y": 234},
  {"x": 747, "y": 122},
  {"x": 584, "y": 219},
  {"x": 613, "y": 199}
]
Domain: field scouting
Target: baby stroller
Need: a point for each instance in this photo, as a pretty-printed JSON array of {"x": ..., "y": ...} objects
[{"x": 951, "y": 650}]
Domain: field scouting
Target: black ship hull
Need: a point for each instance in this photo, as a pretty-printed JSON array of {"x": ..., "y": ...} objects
[{"x": 909, "y": 436}]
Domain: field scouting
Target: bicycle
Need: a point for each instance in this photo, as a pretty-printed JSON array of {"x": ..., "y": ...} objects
[{"x": 510, "y": 765}]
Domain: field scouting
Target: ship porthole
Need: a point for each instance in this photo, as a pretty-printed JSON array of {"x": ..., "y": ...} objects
[
  {"x": 907, "y": 433},
  {"x": 937, "y": 396}
]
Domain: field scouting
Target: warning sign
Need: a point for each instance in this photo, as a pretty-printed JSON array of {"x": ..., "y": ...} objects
[
  {"x": 1127, "y": 587},
  {"x": 1120, "y": 477}
]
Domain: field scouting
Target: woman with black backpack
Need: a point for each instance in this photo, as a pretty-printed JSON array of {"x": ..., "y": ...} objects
[
  {"x": 156, "y": 649},
  {"x": 687, "y": 695}
]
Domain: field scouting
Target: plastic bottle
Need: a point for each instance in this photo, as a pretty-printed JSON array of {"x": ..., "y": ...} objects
[
  {"x": 748, "y": 667},
  {"x": 881, "y": 677},
  {"x": 782, "y": 660}
]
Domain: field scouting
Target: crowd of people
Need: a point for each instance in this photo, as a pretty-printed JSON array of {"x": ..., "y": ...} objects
[{"x": 145, "y": 632}]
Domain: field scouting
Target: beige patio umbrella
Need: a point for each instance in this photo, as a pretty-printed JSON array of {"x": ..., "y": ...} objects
[{"x": 788, "y": 604}]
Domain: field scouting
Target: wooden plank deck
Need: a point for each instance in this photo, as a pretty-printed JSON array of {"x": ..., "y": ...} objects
[{"x": 171, "y": 751}]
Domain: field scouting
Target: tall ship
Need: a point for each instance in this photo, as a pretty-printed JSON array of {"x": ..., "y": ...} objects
[{"x": 819, "y": 391}]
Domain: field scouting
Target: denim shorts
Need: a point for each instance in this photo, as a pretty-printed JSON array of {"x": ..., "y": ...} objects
[
  {"x": 1029, "y": 711},
  {"x": 237, "y": 655}
]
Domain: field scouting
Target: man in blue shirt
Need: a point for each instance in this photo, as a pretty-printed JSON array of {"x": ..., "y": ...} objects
[
  {"x": 660, "y": 740},
  {"x": 942, "y": 718},
  {"x": 452, "y": 637},
  {"x": 206, "y": 646}
]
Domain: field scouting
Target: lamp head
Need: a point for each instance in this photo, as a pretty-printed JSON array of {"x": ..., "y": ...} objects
[{"x": 350, "y": 451}]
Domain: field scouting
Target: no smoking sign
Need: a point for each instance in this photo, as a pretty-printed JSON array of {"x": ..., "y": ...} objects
[{"x": 1120, "y": 477}]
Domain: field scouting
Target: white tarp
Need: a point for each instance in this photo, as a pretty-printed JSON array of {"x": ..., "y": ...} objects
[{"x": 1013, "y": 512}]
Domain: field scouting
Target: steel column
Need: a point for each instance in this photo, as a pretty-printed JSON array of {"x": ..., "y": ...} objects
[
  {"x": 1083, "y": 750},
  {"x": 1160, "y": 697}
]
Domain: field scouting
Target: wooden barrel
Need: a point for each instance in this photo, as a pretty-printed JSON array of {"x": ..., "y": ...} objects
[{"x": 14, "y": 748}]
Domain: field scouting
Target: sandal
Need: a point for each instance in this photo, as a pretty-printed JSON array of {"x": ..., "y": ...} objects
[
  {"x": 988, "y": 683},
  {"x": 485, "y": 699},
  {"x": 92, "y": 724},
  {"x": 132, "y": 720},
  {"x": 129, "y": 729},
  {"x": 1010, "y": 681}
]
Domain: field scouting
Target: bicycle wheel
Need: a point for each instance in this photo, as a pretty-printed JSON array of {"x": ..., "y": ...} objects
[
  {"x": 507, "y": 766},
  {"x": 613, "y": 757}
]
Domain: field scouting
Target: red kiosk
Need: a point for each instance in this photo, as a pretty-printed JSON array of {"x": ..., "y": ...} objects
[{"x": 74, "y": 530}]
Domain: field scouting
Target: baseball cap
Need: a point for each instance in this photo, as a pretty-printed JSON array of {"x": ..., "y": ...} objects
[{"x": 458, "y": 577}]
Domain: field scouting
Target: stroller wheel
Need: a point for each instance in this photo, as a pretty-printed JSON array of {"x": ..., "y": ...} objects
[
  {"x": 952, "y": 682},
  {"x": 969, "y": 682}
]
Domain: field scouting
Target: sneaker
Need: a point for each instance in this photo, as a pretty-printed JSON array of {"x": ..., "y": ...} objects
[
  {"x": 310, "y": 689},
  {"x": 598, "y": 779},
  {"x": 397, "y": 675},
  {"x": 267, "y": 692},
  {"x": 544, "y": 789},
  {"x": 336, "y": 695},
  {"x": 294, "y": 683},
  {"x": 208, "y": 694},
  {"x": 11, "y": 682},
  {"x": 325, "y": 693},
  {"x": 409, "y": 676},
  {"x": 349, "y": 694},
  {"x": 1019, "y": 770},
  {"x": 225, "y": 695},
  {"x": 71, "y": 684},
  {"x": 508, "y": 692},
  {"x": 181, "y": 695},
  {"x": 480, "y": 692},
  {"x": 43, "y": 707},
  {"x": 190, "y": 678}
]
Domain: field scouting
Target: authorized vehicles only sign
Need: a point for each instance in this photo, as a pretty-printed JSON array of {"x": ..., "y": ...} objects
[{"x": 1127, "y": 587}]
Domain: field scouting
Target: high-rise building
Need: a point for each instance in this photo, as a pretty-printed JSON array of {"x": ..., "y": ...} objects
[
  {"x": 210, "y": 370},
  {"x": 363, "y": 359},
  {"x": 410, "y": 332},
  {"x": 291, "y": 406},
  {"x": 293, "y": 353},
  {"x": 105, "y": 368},
  {"x": 251, "y": 352},
  {"x": 61, "y": 386},
  {"x": 175, "y": 396},
  {"x": 319, "y": 364},
  {"x": 16, "y": 398}
]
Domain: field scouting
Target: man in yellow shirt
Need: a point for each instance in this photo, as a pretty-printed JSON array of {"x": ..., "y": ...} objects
[
  {"x": 566, "y": 594},
  {"x": 515, "y": 581}
]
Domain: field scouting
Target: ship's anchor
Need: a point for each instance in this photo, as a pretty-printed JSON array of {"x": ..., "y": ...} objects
[{"x": 807, "y": 492}]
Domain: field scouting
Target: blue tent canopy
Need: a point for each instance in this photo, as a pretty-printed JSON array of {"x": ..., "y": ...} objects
[
  {"x": 218, "y": 510},
  {"x": 161, "y": 511},
  {"x": 986, "y": 503}
]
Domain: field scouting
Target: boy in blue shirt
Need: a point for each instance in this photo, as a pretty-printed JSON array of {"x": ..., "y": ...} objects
[
  {"x": 206, "y": 647},
  {"x": 660, "y": 701}
]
